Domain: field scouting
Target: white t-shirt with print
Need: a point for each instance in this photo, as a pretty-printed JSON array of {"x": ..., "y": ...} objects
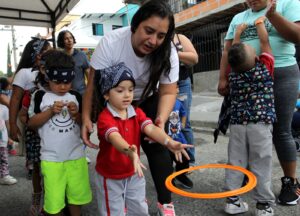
[
  {"x": 116, "y": 47},
  {"x": 60, "y": 135}
]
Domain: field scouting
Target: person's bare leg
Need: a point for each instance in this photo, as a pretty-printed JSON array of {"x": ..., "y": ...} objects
[
  {"x": 289, "y": 168},
  {"x": 36, "y": 178},
  {"x": 75, "y": 210},
  {"x": 35, "y": 207}
]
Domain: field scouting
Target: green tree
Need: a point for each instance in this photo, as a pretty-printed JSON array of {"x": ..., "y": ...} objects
[{"x": 9, "y": 70}]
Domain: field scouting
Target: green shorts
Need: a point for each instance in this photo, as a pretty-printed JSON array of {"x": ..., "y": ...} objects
[{"x": 65, "y": 179}]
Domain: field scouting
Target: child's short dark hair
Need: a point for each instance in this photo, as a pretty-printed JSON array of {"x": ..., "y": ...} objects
[
  {"x": 58, "y": 59},
  {"x": 237, "y": 56},
  {"x": 4, "y": 83}
]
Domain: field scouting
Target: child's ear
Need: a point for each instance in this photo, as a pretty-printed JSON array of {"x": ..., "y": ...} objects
[{"x": 106, "y": 97}]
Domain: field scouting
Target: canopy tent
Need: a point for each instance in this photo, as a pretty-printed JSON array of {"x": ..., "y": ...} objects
[{"x": 42, "y": 13}]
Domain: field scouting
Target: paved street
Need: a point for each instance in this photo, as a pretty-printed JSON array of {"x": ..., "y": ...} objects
[{"x": 15, "y": 200}]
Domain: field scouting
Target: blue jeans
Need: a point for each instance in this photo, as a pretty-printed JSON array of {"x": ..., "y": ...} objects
[{"x": 185, "y": 95}]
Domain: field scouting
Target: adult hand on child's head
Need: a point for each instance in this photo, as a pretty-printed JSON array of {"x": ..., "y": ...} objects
[
  {"x": 86, "y": 130},
  {"x": 271, "y": 8}
]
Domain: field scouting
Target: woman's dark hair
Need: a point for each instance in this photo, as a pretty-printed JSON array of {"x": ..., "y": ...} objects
[
  {"x": 61, "y": 38},
  {"x": 4, "y": 83},
  {"x": 31, "y": 50},
  {"x": 159, "y": 58},
  {"x": 40, "y": 78}
]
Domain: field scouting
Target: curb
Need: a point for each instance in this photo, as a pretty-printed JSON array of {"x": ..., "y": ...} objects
[{"x": 203, "y": 124}]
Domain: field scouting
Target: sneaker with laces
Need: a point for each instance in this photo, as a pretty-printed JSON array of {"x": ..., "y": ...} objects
[
  {"x": 288, "y": 191},
  {"x": 165, "y": 209},
  {"x": 8, "y": 180},
  {"x": 184, "y": 181},
  {"x": 263, "y": 209},
  {"x": 235, "y": 206}
]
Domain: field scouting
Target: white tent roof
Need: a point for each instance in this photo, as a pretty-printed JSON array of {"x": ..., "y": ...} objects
[{"x": 43, "y": 13}]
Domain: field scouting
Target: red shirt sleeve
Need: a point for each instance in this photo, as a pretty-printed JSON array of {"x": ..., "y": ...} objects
[
  {"x": 26, "y": 100},
  {"x": 268, "y": 60},
  {"x": 106, "y": 124},
  {"x": 143, "y": 119}
]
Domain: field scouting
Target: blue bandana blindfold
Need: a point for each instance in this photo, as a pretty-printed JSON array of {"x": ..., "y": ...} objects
[{"x": 60, "y": 75}]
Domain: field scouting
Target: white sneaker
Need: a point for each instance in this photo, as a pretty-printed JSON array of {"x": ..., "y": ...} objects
[
  {"x": 8, "y": 180},
  {"x": 264, "y": 210},
  {"x": 165, "y": 209},
  {"x": 235, "y": 206}
]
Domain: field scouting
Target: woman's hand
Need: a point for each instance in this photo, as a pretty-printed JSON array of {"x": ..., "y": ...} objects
[
  {"x": 271, "y": 8},
  {"x": 177, "y": 149},
  {"x": 223, "y": 87},
  {"x": 86, "y": 130},
  {"x": 14, "y": 132},
  {"x": 159, "y": 123}
]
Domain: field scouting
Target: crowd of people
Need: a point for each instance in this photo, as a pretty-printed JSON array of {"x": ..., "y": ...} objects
[{"x": 141, "y": 77}]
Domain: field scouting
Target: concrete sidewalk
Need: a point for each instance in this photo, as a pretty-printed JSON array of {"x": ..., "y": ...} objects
[{"x": 205, "y": 110}]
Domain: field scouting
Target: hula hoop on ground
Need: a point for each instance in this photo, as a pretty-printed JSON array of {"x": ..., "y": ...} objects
[{"x": 249, "y": 186}]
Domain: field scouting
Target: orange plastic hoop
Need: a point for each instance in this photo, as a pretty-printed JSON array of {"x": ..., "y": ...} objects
[{"x": 249, "y": 186}]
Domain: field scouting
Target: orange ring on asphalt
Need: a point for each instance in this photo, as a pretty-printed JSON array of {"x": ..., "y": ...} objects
[{"x": 249, "y": 186}]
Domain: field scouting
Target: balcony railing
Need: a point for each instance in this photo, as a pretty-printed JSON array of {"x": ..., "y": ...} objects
[{"x": 180, "y": 5}]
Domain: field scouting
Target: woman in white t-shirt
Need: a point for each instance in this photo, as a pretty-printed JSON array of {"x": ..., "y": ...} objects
[
  {"x": 146, "y": 49},
  {"x": 24, "y": 79}
]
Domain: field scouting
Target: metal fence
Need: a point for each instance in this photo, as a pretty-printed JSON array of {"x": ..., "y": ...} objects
[
  {"x": 180, "y": 5},
  {"x": 208, "y": 40}
]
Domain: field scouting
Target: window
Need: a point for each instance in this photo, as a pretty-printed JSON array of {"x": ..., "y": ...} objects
[
  {"x": 98, "y": 29},
  {"x": 116, "y": 27}
]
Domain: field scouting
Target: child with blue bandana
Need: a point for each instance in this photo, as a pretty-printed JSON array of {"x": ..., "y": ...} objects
[
  {"x": 56, "y": 115},
  {"x": 119, "y": 178}
]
